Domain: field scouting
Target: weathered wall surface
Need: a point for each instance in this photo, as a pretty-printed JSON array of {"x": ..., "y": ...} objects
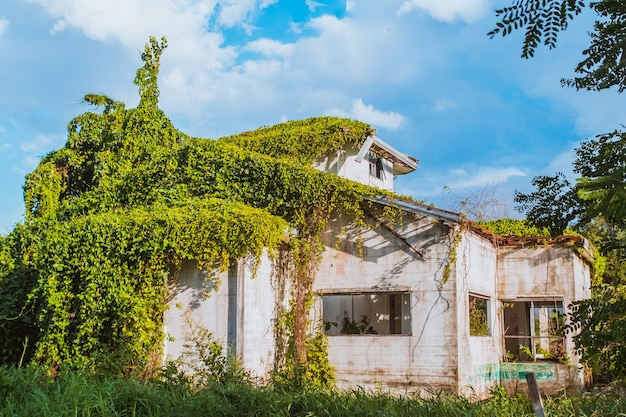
[
  {"x": 189, "y": 308},
  {"x": 541, "y": 271},
  {"x": 479, "y": 356},
  {"x": 582, "y": 274},
  {"x": 344, "y": 164},
  {"x": 240, "y": 313},
  {"x": 434, "y": 350},
  {"x": 545, "y": 273},
  {"x": 426, "y": 359},
  {"x": 552, "y": 378}
]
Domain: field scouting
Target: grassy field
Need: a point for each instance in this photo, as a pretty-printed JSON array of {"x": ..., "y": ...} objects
[{"x": 28, "y": 392}]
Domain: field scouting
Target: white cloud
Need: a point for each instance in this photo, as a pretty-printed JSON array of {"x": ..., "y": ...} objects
[
  {"x": 444, "y": 104},
  {"x": 313, "y": 5},
  {"x": 127, "y": 21},
  {"x": 448, "y": 10},
  {"x": 459, "y": 171},
  {"x": 233, "y": 12},
  {"x": 368, "y": 114},
  {"x": 563, "y": 162},
  {"x": 367, "y": 47},
  {"x": 42, "y": 143},
  {"x": 296, "y": 27},
  {"x": 28, "y": 163},
  {"x": 269, "y": 47},
  {"x": 202, "y": 75},
  {"x": 131, "y": 22},
  {"x": 194, "y": 54},
  {"x": 435, "y": 183},
  {"x": 483, "y": 176},
  {"x": 248, "y": 28},
  {"x": 4, "y": 24},
  {"x": 327, "y": 23}
]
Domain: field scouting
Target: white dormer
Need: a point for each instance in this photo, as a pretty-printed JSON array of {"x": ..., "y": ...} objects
[{"x": 375, "y": 163}]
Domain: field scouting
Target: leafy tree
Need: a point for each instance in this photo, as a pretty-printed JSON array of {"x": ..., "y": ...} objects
[
  {"x": 601, "y": 163},
  {"x": 129, "y": 197},
  {"x": 599, "y": 192},
  {"x": 596, "y": 204},
  {"x": 601, "y": 333},
  {"x": 603, "y": 64},
  {"x": 609, "y": 239},
  {"x": 554, "y": 204}
]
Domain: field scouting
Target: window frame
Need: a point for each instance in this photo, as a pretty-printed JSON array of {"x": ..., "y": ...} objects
[
  {"x": 350, "y": 325},
  {"x": 376, "y": 168},
  {"x": 487, "y": 309},
  {"x": 530, "y": 305}
]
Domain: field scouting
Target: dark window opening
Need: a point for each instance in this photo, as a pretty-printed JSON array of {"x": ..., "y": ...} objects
[
  {"x": 534, "y": 330},
  {"x": 376, "y": 165},
  {"x": 367, "y": 313}
]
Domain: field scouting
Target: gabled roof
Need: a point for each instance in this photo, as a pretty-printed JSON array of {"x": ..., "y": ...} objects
[{"x": 402, "y": 163}]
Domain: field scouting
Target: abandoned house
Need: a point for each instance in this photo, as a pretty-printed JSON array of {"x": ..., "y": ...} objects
[{"x": 437, "y": 304}]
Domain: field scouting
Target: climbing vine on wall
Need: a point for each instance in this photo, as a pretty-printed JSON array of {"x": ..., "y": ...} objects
[{"x": 113, "y": 212}]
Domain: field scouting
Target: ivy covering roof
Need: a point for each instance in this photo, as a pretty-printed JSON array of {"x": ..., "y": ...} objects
[{"x": 128, "y": 198}]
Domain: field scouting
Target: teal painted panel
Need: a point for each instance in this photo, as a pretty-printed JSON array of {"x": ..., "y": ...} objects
[{"x": 512, "y": 371}]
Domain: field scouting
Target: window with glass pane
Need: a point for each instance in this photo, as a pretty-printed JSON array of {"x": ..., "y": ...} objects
[
  {"x": 534, "y": 330},
  {"x": 367, "y": 313}
]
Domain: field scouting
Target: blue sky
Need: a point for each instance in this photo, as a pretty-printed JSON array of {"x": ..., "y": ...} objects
[{"x": 423, "y": 72}]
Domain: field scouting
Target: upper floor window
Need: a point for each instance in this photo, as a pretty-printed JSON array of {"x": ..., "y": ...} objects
[{"x": 376, "y": 165}]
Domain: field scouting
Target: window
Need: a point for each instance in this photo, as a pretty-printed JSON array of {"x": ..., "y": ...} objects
[
  {"x": 534, "y": 330},
  {"x": 479, "y": 316},
  {"x": 367, "y": 313},
  {"x": 376, "y": 165}
]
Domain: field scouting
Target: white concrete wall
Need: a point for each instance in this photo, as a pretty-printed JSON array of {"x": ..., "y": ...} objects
[
  {"x": 546, "y": 272},
  {"x": 189, "y": 307},
  {"x": 344, "y": 164},
  {"x": 479, "y": 356},
  {"x": 241, "y": 313},
  {"x": 582, "y": 284},
  {"x": 437, "y": 354},
  {"x": 540, "y": 271},
  {"x": 427, "y": 358},
  {"x": 257, "y": 319}
]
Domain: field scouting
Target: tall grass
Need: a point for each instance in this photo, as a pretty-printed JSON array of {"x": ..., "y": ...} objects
[{"x": 30, "y": 392}]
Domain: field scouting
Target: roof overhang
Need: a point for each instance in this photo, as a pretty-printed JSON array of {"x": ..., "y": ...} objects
[
  {"x": 586, "y": 250},
  {"x": 422, "y": 209},
  {"x": 402, "y": 163}
]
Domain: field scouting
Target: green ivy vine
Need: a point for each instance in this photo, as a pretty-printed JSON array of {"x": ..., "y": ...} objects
[
  {"x": 516, "y": 227},
  {"x": 113, "y": 212}
]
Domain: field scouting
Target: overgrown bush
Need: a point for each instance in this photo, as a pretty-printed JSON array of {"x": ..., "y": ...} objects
[{"x": 114, "y": 212}]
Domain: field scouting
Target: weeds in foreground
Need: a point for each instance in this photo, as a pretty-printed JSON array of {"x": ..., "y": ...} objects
[{"x": 31, "y": 392}]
